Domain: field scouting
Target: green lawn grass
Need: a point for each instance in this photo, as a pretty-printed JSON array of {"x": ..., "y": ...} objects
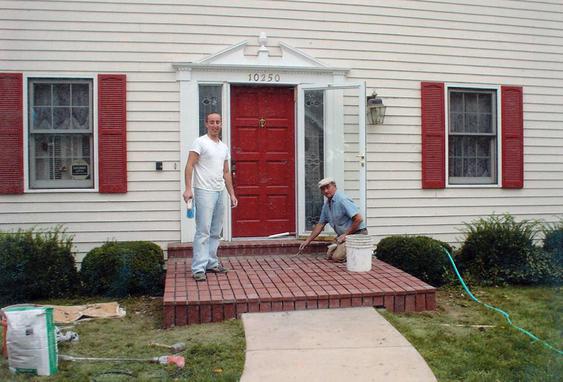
[
  {"x": 215, "y": 352},
  {"x": 498, "y": 353}
]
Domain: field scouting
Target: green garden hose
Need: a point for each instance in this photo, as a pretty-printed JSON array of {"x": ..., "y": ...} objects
[{"x": 502, "y": 312}]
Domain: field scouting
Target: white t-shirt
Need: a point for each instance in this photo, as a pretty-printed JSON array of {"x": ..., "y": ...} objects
[{"x": 208, "y": 172}]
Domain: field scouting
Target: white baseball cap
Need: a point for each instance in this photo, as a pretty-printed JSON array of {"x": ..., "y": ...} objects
[{"x": 326, "y": 182}]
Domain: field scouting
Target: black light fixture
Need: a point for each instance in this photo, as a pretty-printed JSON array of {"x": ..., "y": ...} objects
[{"x": 375, "y": 109}]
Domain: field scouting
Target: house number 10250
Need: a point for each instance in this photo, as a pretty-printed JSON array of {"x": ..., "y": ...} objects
[{"x": 264, "y": 77}]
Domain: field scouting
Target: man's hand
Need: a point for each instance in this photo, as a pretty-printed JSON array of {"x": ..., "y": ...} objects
[
  {"x": 188, "y": 194},
  {"x": 314, "y": 233},
  {"x": 341, "y": 239},
  {"x": 234, "y": 201}
]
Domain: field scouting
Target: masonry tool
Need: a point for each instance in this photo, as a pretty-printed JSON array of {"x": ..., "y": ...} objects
[
  {"x": 174, "y": 348},
  {"x": 176, "y": 360}
]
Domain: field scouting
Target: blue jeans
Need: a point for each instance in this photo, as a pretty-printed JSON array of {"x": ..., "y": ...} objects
[{"x": 209, "y": 213}]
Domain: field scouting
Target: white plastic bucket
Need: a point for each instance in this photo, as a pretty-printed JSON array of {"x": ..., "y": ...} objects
[{"x": 359, "y": 249}]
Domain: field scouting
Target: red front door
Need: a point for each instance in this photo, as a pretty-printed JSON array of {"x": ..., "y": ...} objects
[{"x": 263, "y": 155}]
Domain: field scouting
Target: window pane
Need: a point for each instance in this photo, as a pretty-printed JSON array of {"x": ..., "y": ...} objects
[
  {"x": 470, "y": 102},
  {"x": 456, "y": 102},
  {"x": 483, "y": 167},
  {"x": 471, "y": 125},
  {"x": 80, "y": 118},
  {"x": 41, "y": 118},
  {"x": 456, "y": 122},
  {"x": 61, "y": 118},
  {"x": 485, "y": 123},
  {"x": 455, "y": 167},
  {"x": 456, "y": 145},
  {"x": 469, "y": 167},
  {"x": 314, "y": 155},
  {"x": 61, "y": 93},
  {"x": 41, "y": 145},
  {"x": 469, "y": 149},
  {"x": 209, "y": 102},
  {"x": 63, "y": 157},
  {"x": 80, "y": 95},
  {"x": 42, "y": 95},
  {"x": 485, "y": 103},
  {"x": 484, "y": 147}
]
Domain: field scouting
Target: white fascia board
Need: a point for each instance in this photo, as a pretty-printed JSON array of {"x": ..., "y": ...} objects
[{"x": 242, "y": 67}]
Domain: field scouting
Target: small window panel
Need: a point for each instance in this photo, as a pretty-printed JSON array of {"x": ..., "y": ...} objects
[
  {"x": 60, "y": 134},
  {"x": 472, "y": 136},
  {"x": 314, "y": 155},
  {"x": 209, "y": 102}
]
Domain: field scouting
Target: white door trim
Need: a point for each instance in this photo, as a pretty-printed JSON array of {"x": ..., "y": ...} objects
[{"x": 191, "y": 75}]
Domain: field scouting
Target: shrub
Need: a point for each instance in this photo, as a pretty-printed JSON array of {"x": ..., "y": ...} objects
[
  {"x": 553, "y": 246},
  {"x": 553, "y": 240},
  {"x": 118, "y": 269},
  {"x": 498, "y": 250},
  {"x": 420, "y": 256},
  {"x": 36, "y": 265}
]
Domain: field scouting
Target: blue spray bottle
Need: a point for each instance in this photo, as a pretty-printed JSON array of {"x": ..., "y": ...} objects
[{"x": 190, "y": 212}]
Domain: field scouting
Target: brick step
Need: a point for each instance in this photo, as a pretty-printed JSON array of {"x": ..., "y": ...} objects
[
  {"x": 284, "y": 283},
  {"x": 251, "y": 248}
]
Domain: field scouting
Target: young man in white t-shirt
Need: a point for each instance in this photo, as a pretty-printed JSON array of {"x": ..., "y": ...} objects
[{"x": 208, "y": 162}]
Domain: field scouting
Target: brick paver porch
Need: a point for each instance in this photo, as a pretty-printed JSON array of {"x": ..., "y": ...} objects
[{"x": 286, "y": 282}]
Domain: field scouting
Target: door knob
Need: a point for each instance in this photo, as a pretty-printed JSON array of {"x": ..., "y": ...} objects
[{"x": 262, "y": 123}]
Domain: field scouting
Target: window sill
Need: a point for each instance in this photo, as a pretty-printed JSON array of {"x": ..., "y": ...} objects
[
  {"x": 473, "y": 186},
  {"x": 59, "y": 190}
]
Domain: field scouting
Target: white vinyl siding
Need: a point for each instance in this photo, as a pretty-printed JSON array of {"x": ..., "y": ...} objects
[{"x": 393, "y": 46}]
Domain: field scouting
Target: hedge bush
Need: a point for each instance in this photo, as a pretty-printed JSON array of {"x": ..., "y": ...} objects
[
  {"x": 119, "y": 269},
  {"x": 36, "y": 265},
  {"x": 420, "y": 256},
  {"x": 499, "y": 250},
  {"x": 553, "y": 240},
  {"x": 553, "y": 245}
]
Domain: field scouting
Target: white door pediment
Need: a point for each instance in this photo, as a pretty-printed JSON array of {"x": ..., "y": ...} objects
[{"x": 244, "y": 55}]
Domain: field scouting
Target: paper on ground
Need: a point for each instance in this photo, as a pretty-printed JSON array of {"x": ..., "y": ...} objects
[{"x": 67, "y": 314}]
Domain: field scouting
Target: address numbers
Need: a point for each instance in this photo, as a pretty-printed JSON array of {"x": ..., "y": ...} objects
[{"x": 264, "y": 77}]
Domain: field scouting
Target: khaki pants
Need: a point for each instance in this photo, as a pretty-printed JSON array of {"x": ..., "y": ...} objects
[{"x": 337, "y": 252}]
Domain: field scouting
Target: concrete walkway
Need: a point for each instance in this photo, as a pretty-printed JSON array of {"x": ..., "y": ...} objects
[{"x": 352, "y": 344}]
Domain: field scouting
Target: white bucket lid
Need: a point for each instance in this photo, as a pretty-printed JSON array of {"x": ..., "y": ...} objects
[{"x": 360, "y": 237}]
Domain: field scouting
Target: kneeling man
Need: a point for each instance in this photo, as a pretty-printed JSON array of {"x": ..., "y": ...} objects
[{"x": 344, "y": 217}]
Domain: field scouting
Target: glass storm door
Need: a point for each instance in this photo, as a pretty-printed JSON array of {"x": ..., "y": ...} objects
[{"x": 331, "y": 143}]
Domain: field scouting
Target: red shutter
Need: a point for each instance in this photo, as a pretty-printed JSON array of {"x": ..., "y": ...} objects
[
  {"x": 433, "y": 128},
  {"x": 512, "y": 116},
  {"x": 11, "y": 133},
  {"x": 112, "y": 143}
]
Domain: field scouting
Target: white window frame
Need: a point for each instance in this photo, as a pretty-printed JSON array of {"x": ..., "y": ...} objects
[
  {"x": 470, "y": 87},
  {"x": 26, "y": 141}
]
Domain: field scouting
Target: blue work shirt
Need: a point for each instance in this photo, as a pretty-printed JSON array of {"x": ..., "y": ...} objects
[{"x": 338, "y": 212}]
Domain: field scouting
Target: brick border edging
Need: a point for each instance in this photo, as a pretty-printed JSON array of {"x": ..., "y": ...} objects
[
  {"x": 251, "y": 248},
  {"x": 188, "y": 314}
]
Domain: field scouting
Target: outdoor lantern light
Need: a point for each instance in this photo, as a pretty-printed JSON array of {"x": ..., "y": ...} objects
[{"x": 375, "y": 109}]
